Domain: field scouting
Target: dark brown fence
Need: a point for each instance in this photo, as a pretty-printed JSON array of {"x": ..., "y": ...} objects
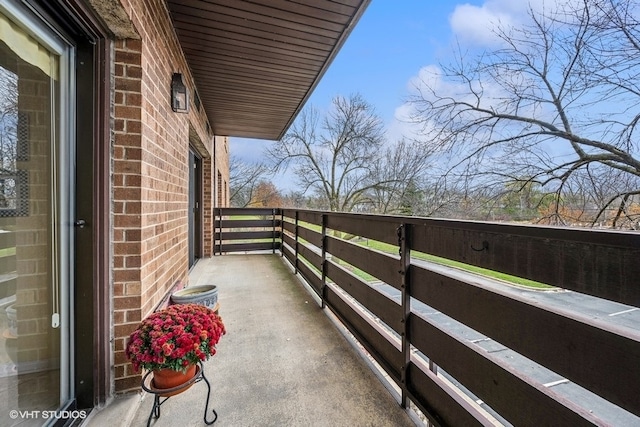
[
  {"x": 243, "y": 230},
  {"x": 328, "y": 251}
]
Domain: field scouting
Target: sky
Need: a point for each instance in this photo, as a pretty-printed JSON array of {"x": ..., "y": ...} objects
[{"x": 392, "y": 42}]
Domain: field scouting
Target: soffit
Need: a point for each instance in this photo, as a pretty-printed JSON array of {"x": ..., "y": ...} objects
[{"x": 255, "y": 62}]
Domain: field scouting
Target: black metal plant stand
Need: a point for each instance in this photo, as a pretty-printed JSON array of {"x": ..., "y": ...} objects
[{"x": 147, "y": 385}]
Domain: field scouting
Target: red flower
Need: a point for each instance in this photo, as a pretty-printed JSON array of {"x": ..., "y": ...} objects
[{"x": 175, "y": 337}]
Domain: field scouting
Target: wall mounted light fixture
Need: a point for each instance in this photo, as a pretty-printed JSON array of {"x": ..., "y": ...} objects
[{"x": 179, "y": 94}]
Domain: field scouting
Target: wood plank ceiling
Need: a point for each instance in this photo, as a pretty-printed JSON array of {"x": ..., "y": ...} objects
[{"x": 255, "y": 62}]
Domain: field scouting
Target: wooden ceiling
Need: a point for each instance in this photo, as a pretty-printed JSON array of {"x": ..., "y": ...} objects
[{"x": 255, "y": 62}]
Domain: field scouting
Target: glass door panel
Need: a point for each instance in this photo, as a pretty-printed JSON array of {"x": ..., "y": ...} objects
[{"x": 34, "y": 366}]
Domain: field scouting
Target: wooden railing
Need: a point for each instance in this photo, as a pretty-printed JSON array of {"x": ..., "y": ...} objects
[
  {"x": 381, "y": 295},
  {"x": 242, "y": 230}
]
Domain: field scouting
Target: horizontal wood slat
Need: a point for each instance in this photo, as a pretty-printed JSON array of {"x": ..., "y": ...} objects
[
  {"x": 246, "y": 247},
  {"x": 311, "y": 277},
  {"x": 561, "y": 341},
  {"x": 289, "y": 214},
  {"x": 288, "y": 253},
  {"x": 437, "y": 400},
  {"x": 366, "y": 226},
  {"x": 246, "y": 235},
  {"x": 290, "y": 227},
  {"x": 311, "y": 236},
  {"x": 518, "y": 400},
  {"x": 247, "y": 223},
  {"x": 246, "y": 211},
  {"x": 382, "y": 350},
  {"x": 289, "y": 240},
  {"x": 310, "y": 217},
  {"x": 385, "y": 267},
  {"x": 598, "y": 263},
  {"x": 307, "y": 253},
  {"x": 379, "y": 304}
]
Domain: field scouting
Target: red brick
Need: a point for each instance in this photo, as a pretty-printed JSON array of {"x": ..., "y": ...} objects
[
  {"x": 128, "y": 140},
  {"x": 118, "y": 317},
  {"x": 126, "y": 275},
  {"x": 128, "y": 383},
  {"x": 124, "y": 330},
  {"x": 128, "y": 112},
  {"x": 126, "y": 303},
  {"x": 134, "y": 126},
  {"x": 134, "y": 45},
  {"x": 133, "y": 315},
  {"x": 134, "y": 71},
  {"x": 133, "y": 99},
  {"x": 128, "y": 57}
]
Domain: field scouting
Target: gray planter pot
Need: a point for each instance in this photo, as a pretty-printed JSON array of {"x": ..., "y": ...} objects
[{"x": 206, "y": 295}]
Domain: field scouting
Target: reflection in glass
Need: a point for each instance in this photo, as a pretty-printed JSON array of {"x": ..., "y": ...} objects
[{"x": 29, "y": 346}]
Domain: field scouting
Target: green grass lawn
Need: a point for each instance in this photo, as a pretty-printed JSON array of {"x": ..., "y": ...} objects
[
  {"x": 385, "y": 247},
  {"x": 392, "y": 249}
]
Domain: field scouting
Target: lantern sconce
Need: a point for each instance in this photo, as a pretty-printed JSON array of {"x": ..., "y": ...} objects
[{"x": 179, "y": 94}]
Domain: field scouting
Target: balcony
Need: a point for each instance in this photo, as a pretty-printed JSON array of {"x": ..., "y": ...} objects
[
  {"x": 465, "y": 348},
  {"x": 282, "y": 361},
  {"x": 452, "y": 343}
]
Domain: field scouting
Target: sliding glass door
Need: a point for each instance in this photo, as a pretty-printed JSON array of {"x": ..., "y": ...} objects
[{"x": 35, "y": 217}]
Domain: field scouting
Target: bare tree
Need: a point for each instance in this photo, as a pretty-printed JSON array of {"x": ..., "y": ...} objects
[
  {"x": 396, "y": 177},
  {"x": 243, "y": 180},
  {"x": 333, "y": 156},
  {"x": 560, "y": 94}
]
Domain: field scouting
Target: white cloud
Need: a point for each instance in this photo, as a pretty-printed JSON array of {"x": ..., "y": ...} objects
[
  {"x": 473, "y": 27},
  {"x": 476, "y": 25},
  {"x": 402, "y": 125},
  {"x": 428, "y": 76}
]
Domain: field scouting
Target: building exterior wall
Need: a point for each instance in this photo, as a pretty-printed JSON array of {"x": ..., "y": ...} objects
[
  {"x": 207, "y": 206},
  {"x": 151, "y": 175}
]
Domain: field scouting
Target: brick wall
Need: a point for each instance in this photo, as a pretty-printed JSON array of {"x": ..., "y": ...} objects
[
  {"x": 207, "y": 206},
  {"x": 151, "y": 176},
  {"x": 127, "y": 203}
]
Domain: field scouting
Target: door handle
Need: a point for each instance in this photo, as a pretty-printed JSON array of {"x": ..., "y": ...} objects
[{"x": 81, "y": 223}]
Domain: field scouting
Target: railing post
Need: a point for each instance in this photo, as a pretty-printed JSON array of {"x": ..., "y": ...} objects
[
  {"x": 297, "y": 243},
  {"x": 219, "y": 215},
  {"x": 273, "y": 231},
  {"x": 281, "y": 231},
  {"x": 324, "y": 260},
  {"x": 405, "y": 264}
]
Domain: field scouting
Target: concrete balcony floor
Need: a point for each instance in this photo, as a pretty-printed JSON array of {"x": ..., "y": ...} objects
[{"x": 282, "y": 361}]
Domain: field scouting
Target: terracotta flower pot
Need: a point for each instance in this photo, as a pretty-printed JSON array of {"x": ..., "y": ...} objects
[{"x": 168, "y": 378}]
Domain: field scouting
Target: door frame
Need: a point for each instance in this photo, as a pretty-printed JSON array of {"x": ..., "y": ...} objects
[
  {"x": 195, "y": 236},
  {"x": 92, "y": 311}
]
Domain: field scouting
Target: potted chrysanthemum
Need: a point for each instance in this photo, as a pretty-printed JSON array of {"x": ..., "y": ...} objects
[{"x": 173, "y": 340}]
